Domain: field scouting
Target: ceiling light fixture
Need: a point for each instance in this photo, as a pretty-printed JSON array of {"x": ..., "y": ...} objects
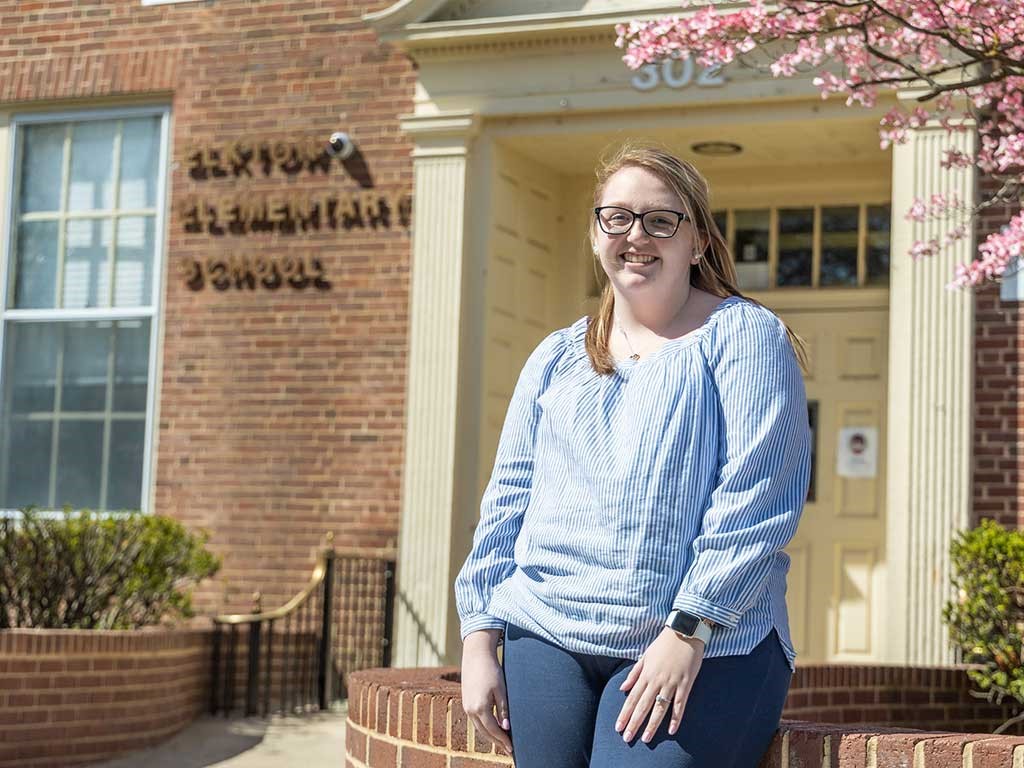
[{"x": 717, "y": 148}]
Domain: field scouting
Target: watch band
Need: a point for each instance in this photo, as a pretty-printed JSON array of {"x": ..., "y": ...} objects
[{"x": 688, "y": 625}]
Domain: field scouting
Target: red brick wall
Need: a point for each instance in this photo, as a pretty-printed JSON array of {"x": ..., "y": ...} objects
[
  {"x": 281, "y": 412},
  {"x": 70, "y": 697},
  {"x": 414, "y": 718},
  {"x": 998, "y": 481},
  {"x": 928, "y": 698}
]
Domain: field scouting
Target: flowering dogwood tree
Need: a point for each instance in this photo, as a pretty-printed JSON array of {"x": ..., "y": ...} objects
[{"x": 963, "y": 60}]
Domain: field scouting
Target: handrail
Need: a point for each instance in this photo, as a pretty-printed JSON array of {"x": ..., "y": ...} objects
[
  {"x": 292, "y": 653},
  {"x": 319, "y": 572}
]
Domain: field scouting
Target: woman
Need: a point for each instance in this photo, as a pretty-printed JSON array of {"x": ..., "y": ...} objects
[{"x": 653, "y": 464}]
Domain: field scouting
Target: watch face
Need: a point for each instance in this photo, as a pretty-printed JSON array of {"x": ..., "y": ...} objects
[{"x": 684, "y": 622}]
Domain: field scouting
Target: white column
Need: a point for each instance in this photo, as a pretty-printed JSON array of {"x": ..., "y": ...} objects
[
  {"x": 430, "y": 469},
  {"x": 931, "y": 343}
]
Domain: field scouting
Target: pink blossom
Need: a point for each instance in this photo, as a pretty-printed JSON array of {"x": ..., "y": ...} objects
[
  {"x": 921, "y": 249},
  {"x": 999, "y": 251},
  {"x": 918, "y": 211},
  {"x": 876, "y": 45},
  {"x": 954, "y": 158}
]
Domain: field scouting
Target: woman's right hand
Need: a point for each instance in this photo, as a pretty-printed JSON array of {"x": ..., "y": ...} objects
[{"x": 483, "y": 686}]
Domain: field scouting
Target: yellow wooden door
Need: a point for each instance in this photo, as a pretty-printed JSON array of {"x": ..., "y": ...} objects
[
  {"x": 525, "y": 284},
  {"x": 838, "y": 553}
]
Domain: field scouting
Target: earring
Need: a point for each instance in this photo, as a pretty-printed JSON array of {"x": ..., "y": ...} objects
[{"x": 697, "y": 255}]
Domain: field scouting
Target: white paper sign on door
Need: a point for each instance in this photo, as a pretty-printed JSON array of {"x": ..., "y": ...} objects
[{"x": 857, "y": 452}]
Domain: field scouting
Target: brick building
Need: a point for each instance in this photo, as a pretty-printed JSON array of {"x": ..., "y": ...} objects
[
  {"x": 254, "y": 327},
  {"x": 208, "y": 316}
]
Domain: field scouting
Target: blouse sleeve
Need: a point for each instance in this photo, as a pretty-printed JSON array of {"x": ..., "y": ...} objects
[
  {"x": 507, "y": 494},
  {"x": 763, "y": 466}
]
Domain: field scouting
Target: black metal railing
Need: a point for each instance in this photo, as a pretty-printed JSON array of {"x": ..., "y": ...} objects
[{"x": 296, "y": 658}]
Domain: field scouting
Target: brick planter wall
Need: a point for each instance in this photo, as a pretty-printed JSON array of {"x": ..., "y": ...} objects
[
  {"x": 413, "y": 718},
  {"x": 926, "y": 698},
  {"x": 70, "y": 697}
]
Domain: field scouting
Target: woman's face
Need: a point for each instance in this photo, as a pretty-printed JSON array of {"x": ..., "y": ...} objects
[{"x": 638, "y": 265}]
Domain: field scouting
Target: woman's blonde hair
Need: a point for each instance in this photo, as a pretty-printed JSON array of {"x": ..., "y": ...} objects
[{"x": 714, "y": 273}]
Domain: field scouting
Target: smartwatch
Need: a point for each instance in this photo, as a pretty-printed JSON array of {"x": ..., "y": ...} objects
[{"x": 689, "y": 626}]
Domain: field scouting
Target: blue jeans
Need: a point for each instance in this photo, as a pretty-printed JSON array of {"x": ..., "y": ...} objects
[{"x": 563, "y": 706}]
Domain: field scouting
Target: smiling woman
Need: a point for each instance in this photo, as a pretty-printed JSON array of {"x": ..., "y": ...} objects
[{"x": 629, "y": 550}]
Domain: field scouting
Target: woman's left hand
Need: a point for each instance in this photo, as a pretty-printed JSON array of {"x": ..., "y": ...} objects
[{"x": 668, "y": 667}]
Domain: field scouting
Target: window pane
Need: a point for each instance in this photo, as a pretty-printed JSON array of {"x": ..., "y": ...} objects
[
  {"x": 134, "y": 261},
  {"x": 36, "y": 270},
  {"x": 41, "y": 168},
  {"x": 71, "y": 389},
  {"x": 79, "y": 458},
  {"x": 839, "y": 228},
  {"x": 752, "y": 232},
  {"x": 131, "y": 366},
  {"x": 812, "y": 418},
  {"x": 796, "y": 246},
  {"x": 721, "y": 221},
  {"x": 87, "y": 265},
  {"x": 86, "y": 358},
  {"x": 31, "y": 367},
  {"x": 124, "y": 481},
  {"x": 92, "y": 166},
  {"x": 878, "y": 244},
  {"x": 27, "y": 474},
  {"x": 140, "y": 154}
]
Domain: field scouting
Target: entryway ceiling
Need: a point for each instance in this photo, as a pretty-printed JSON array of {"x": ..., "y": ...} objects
[{"x": 803, "y": 145}]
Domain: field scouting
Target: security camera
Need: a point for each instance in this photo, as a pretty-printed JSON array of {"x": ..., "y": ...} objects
[{"x": 340, "y": 145}]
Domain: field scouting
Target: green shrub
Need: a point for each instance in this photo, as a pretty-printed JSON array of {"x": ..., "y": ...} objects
[
  {"x": 82, "y": 570},
  {"x": 986, "y": 621}
]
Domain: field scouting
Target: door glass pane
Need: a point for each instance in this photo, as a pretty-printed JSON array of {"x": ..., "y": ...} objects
[
  {"x": 752, "y": 232},
  {"x": 87, "y": 265},
  {"x": 92, "y": 166},
  {"x": 134, "y": 261},
  {"x": 812, "y": 419},
  {"x": 796, "y": 246},
  {"x": 27, "y": 458},
  {"x": 131, "y": 366},
  {"x": 839, "y": 228},
  {"x": 31, "y": 367},
  {"x": 35, "y": 284},
  {"x": 879, "y": 240},
  {"x": 140, "y": 154},
  {"x": 79, "y": 459},
  {"x": 721, "y": 219},
  {"x": 124, "y": 480},
  {"x": 86, "y": 358},
  {"x": 42, "y": 162}
]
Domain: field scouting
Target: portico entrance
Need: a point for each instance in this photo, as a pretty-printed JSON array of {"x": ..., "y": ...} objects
[{"x": 513, "y": 111}]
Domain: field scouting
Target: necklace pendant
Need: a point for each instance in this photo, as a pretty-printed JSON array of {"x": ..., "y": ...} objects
[{"x": 634, "y": 356}]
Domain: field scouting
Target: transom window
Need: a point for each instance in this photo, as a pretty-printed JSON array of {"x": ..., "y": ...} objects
[
  {"x": 79, "y": 318},
  {"x": 813, "y": 246}
]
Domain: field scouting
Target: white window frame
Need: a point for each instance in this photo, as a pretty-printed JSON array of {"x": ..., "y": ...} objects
[{"x": 153, "y": 312}]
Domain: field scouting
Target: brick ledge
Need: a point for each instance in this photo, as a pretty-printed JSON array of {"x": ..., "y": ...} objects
[{"x": 414, "y": 717}]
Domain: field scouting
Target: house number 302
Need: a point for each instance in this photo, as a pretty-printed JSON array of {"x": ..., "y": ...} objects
[{"x": 676, "y": 73}]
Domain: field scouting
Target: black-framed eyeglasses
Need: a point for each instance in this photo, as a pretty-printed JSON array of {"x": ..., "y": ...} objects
[{"x": 618, "y": 221}]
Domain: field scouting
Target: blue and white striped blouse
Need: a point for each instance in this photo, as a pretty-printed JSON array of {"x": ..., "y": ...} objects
[{"x": 673, "y": 483}]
